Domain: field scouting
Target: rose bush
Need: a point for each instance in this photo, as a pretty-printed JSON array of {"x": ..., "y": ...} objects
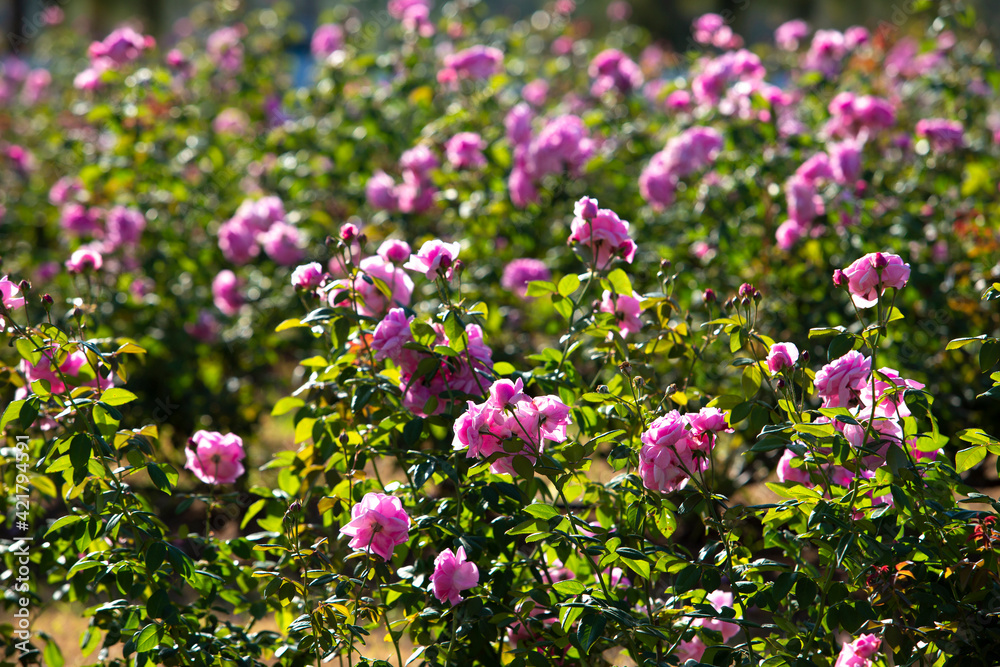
[{"x": 514, "y": 426}]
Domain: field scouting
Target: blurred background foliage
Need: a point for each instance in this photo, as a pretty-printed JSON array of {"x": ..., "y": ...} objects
[{"x": 668, "y": 21}]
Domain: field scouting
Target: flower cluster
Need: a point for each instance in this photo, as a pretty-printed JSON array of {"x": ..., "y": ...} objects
[
  {"x": 691, "y": 151},
  {"x": 510, "y": 416},
  {"x": 675, "y": 447},
  {"x": 424, "y": 393},
  {"x": 601, "y": 233},
  {"x": 260, "y": 224}
]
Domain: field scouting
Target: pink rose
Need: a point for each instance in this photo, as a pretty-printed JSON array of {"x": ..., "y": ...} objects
[
  {"x": 626, "y": 310},
  {"x": 781, "y": 356},
  {"x": 378, "y": 525},
  {"x": 856, "y": 653},
  {"x": 840, "y": 382},
  {"x": 605, "y": 235},
  {"x": 453, "y": 574},
  {"x": 308, "y": 276},
  {"x": 434, "y": 257},
  {"x": 215, "y": 458},
  {"x": 391, "y": 334},
  {"x": 226, "y": 292},
  {"x": 85, "y": 258},
  {"x": 866, "y": 284}
]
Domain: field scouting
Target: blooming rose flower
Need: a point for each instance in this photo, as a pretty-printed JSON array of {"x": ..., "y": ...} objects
[
  {"x": 434, "y": 257},
  {"x": 789, "y": 473},
  {"x": 123, "y": 227},
  {"x": 453, "y": 574},
  {"x": 9, "y": 291},
  {"x": 380, "y": 190},
  {"x": 238, "y": 241},
  {"x": 626, "y": 309},
  {"x": 84, "y": 258},
  {"x": 840, "y": 382},
  {"x": 226, "y": 292},
  {"x": 944, "y": 134},
  {"x": 413, "y": 14},
  {"x": 391, "y": 334},
  {"x": 394, "y": 250},
  {"x": 667, "y": 448},
  {"x": 308, "y": 276},
  {"x": 788, "y": 35},
  {"x": 78, "y": 219},
  {"x": 75, "y": 364},
  {"x": 327, "y": 38},
  {"x": 604, "y": 234},
  {"x": 517, "y": 123},
  {"x": 865, "y": 282},
  {"x": 781, "y": 356},
  {"x": 476, "y": 62},
  {"x": 883, "y": 433},
  {"x": 692, "y": 649},
  {"x": 378, "y": 525},
  {"x": 120, "y": 47},
  {"x": 465, "y": 151},
  {"x": 282, "y": 243},
  {"x": 225, "y": 47},
  {"x": 215, "y": 458},
  {"x": 888, "y": 404},
  {"x": 613, "y": 70},
  {"x": 858, "y": 652},
  {"x": 520, "y": 272},
  {"x": 719, "y": 600}
]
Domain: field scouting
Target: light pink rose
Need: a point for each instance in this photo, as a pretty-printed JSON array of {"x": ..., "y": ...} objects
[
  {"x": 864, "y": 282},
  {"x": 215, "y": 458},
  {"x": 781, "y": 356},
  {"x": 378, "y": 525},
  {"x": 453, "y": 573}
]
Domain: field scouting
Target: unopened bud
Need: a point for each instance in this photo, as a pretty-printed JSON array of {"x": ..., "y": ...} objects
[
  {"x": 744, "y": 302},
  {"x": 709, "y": 295},
  {"x": 839, "y": 278},
  {"x": 781, "y": 383},
  {"x": 746, "y": 291},
  {"x": 625, "y": 367},
  {"x": 671, "y": 390},
  {"x": 330, "y": 241},
  {"x": 47, "y": 299},
  {"x": 603, "y": 389},
  {"x": 24, "y": 286},
  {"x": 665, "y": 264},
  {"x": 638, "y": 381},
  {"x": 588, "y": 208},
  {"x": 757, "y": 296},
  {"x": 879, "y": 261},
  {"x": 349, "y": 231},
  {"x": 343, "y": 439},
  {"x": 804, "y": 356}
]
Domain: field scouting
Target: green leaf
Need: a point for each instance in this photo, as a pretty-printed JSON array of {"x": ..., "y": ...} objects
[
  {"x": 53, "y": 656},
  {"x": 523, "y": 468},
  {"x": 11, "y": 413},
  {"x": 752, "y": 378},
  {"x": 542, "y": 511},
  {"x": 969, "y": 458},
  {"x": 640, "y": 567},
  {"x": 962, "y": 342},
  {"x": 541, "y": 288},
  {"x": 155, "y": 554},
  {"x": 163, "y": 476},
  {"x": 591, "y": 629},
  {"x": 989, "y": 354},
  {"x": 569, "y": 587},
  {"x": 568, "y": 284},
  {"x": 412, "y": 431},
  {"x": 147, "y": 639},
  {"x": 117, "y": 396},
  {"x": 286, "y": 405},
  {"x": 619, "y": 280}
]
